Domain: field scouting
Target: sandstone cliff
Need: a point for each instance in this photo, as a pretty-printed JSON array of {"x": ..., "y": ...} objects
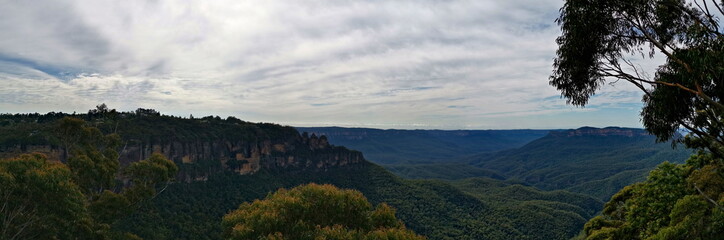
[{"x": 199, "y": 146}]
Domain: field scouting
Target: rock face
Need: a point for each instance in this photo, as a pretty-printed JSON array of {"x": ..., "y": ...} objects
[
  {"x": 199, "y": 158},
  {"x": 250, "y": 157},
  {"x": 609, "y": 131}
]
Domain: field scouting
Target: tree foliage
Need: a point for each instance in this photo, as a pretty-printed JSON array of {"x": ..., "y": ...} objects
[
  {"x": 599, "y": 37},
  {"x": 314, "y": 212},
  {"x": 673, "y": 203},
  {"x": 93, "y": 155},
  {"x": 81, "y": 199},
  {"x": 39, "y": 200}
]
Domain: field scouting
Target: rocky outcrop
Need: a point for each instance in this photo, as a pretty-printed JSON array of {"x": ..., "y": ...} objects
[
  {"x": 201, "y": 158},
  {"x": 250, "y": 157},
  {"x": 199, "y": 146}
]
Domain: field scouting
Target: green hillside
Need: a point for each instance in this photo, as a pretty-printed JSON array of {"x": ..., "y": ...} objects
[
  {"x": 435, "y": 209},
  {"x": 523, "y": 204},
  {"x": 591, "y": 161},
  {"x": 446, "y": 171}
]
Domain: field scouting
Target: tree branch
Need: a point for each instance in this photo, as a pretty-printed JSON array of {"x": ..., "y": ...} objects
[
  {"x": 713, "y": 22},
  {"x": 717, "y": 7},
  {"x": 707, "y": 197}
]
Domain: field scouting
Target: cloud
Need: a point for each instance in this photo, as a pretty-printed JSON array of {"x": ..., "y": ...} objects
[{"x": 405, "y": 64}]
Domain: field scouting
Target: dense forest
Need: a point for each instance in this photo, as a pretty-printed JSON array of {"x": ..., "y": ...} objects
[
  {"x": 191, "y": 208},
  {"x": 432, "y": 208}
]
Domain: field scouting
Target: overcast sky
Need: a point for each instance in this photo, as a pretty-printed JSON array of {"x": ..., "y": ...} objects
[{"x": 427, "y": 64}]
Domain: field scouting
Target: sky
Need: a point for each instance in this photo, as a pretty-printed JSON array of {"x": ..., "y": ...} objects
[{"x": 418, "y": 64}]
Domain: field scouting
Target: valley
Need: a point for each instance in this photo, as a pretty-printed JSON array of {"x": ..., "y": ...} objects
[
  {"x": 591, "y": 161},
  {"x": 224, "y": 162}
]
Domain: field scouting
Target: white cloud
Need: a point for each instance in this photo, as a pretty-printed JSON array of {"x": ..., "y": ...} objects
[{"x": 404, "y": 64}]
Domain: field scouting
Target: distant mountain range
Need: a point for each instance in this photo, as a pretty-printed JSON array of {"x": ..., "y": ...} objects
[
  {"x": 594, "y": 161},
  {"x": 424, "y": 146}
]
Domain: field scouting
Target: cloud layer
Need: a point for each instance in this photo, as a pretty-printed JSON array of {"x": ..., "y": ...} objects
[{"x": 387, "y": 64}]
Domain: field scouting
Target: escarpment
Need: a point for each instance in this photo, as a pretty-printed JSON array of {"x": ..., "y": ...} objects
[
  {"x": 199, "y": 146},
  {"x": 248, "y": 157}
]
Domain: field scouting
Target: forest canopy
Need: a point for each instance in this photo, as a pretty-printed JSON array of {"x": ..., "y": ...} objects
[{"x": 314, "y": 211}]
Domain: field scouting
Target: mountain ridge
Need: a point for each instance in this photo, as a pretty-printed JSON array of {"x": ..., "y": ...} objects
[
  {"x": 614, "y": 157},
  {"x": 394, "y": 146},
  {"x": 593, "y": 131}
]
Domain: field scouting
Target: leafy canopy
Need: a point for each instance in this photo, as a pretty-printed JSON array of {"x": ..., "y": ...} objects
[
  {"x": 667, "y": 205},
  {"x": 81, "y": 199},
  {"x": 38, "y": 200},
  {"x": 314, "y": 212},
  {"x": 599, "y": 38}
]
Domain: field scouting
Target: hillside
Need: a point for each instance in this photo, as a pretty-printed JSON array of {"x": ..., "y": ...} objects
[
  {"x": 424, "y": 146},
  {"x": 432, "y": 208},
  {"x": 594, "y": 161},
  {"x": 224, "y": 162},
  {"x": 524, "y": 204},
  {"x": 445, "y": 171}
]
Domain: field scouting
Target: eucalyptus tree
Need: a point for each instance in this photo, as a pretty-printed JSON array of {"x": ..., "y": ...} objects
[
  {"x": 315, "y": 211},
  {"x": 599, "y": 44},
  {"x": 81, "y": 198},
  {"x": 600, "y": 39}
]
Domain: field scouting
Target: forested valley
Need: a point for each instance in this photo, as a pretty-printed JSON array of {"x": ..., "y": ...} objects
[
  {"x": 531, "y": 191},
  {"x": 116, "y": 174},
  {"x": 191, "y": 207}
]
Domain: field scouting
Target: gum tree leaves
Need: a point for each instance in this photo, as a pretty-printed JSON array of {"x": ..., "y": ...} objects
[{"x": 314, "y": 212}]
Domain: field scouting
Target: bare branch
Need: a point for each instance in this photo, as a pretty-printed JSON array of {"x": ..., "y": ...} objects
[
  {"x": 708, "y": 14},
  {"x": 707, "y": 197}
]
